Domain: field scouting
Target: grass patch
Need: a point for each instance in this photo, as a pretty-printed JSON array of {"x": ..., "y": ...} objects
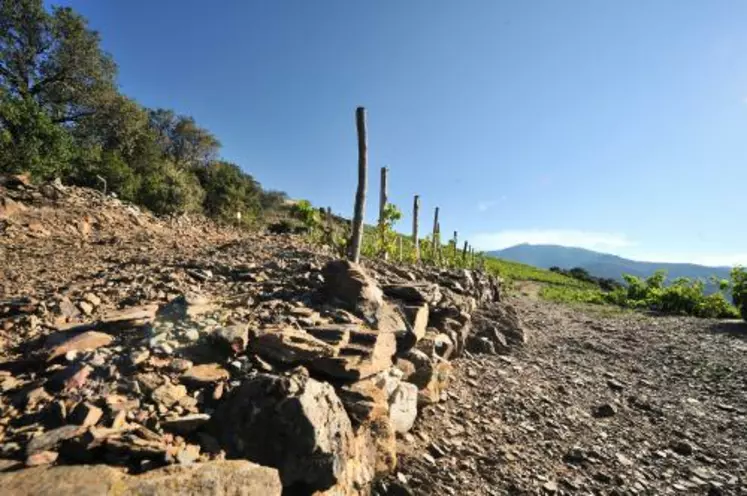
[{"x": 514, "y": 271}]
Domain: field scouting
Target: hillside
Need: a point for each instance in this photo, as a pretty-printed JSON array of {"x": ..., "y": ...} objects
[{"x": 602, "y": 264}]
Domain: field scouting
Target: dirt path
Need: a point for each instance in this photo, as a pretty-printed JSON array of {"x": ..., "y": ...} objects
[{"x": 621, "y": 404}]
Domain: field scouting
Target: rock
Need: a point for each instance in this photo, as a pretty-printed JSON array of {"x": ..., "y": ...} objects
[
  {"x": 366, "y": 399},
  {"x": 682, "y": 448},
  {"x": 168, "y": 394},
  {"x": 437, "y": 344},
  {"x": 92, "y": 299},
  {"x": 137, "y": 357},
  {"x": 203, "y": 375},
  {"x": 417, "y": 317},
  {"x": 85, "y": 307},
  {"x": 180, "y": 365},
  {"x": 132, "y": 317},
  {"x": 289, "y": 346},
  {"x": 67, "y": 309},
  {"x": 430, "y": 374},
  {"x": 604, "y": 411},
  {"x": 367, "y": 353},
  {"x": 9, "y": 207},
  {"x": 188, "y": 454},
  {"x": 349, "y": 284},
  {"x": 220, "y": 478},
  {"x": 70, "y": 378},
  {"x": 414, "y": 294},
  {"x": 85, "y": 414},
  {"x": 615, "y": 385},
  {"x": 293, "y": 423},
  {"x": 89, "y": 340},
  {"x": 41, "y": 458},
  {"x": 186, "y": 424},
  {"x": 233, "y": 338},
  {"x": 479, "y": 344},
  {"x": 504, "y": 319},
  {"x": 403, "y": 407},
  {"x": 50, "y": 439}
]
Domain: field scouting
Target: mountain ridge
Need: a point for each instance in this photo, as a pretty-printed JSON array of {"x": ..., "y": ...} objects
[{"x": 602, "y": 264}]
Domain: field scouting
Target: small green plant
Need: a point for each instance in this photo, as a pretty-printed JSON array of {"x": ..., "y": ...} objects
[{"x": 306, "y": 213}]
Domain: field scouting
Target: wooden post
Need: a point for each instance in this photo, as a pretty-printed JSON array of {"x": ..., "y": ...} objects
[
  {"x": 415, "y": 213},
  {"x": 438, "y": 244},
  {"x": 435, "y": 235},
  {"x": 464, "y": 252},
  {"x": 383, "y": 198},
  {"x": 454, "y": 248},
  {"x": 382, "y": 207},
  {"x": 360, "y": 194}
]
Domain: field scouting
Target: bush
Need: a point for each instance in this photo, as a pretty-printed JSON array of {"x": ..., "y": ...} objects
[{"x": 739, "y": 289}]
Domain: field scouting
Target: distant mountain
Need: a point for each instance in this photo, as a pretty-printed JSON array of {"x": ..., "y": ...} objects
[{"x": 602, "y": 264}]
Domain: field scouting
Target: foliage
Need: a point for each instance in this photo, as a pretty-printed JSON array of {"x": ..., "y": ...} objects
[
  {"x": 306, "y": 213},
  {"x": 739, "y": 289},
  {"x": 62, "y": 116},
  {"x": 606, "y": 284}
]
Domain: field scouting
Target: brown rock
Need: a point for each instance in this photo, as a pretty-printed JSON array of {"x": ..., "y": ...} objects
[
  {"x": 349, "y": 284},
  {"x": 233, "y": 338},
  {"x": 289, "y": 346},
  {"x": 417, "y": 317},
  {"x": 202, "y": 375},
  {"x": 168, "y": 395},
  {"x": 41, "y": 458},
  {"x": 220, "y": 478},
  {"x": 70, "y": 378},
  {"x": 186, "y": 424},
  {"x": 367, "y": 353},
  {"x": 85, "y": 414},
  {"x": 128, "y": 318},
  {"x": 89, "y": 340},
  {"x": 9, "y": 207}
]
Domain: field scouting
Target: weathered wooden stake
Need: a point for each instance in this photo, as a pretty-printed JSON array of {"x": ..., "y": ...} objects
[
  {"x": 464, "y": 252},
  {"x": 360, "y": 194},
  {"x": 415, "y": 213},
  {"x": 435, "y": 236},
  {"x": 383, "y": 198},
  {"x": 456, "y": 238}
]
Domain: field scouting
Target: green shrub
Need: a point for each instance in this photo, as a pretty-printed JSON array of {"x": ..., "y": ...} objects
[{"x": 739, "y": 289}]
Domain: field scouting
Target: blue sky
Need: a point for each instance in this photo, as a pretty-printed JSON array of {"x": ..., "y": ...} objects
[{"x": 618, "y": 126}]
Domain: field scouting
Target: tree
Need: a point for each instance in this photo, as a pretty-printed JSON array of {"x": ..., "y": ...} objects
[
  {"x": 229, "y": 191},
  {"x": 182, "y": 140},
  {"x": 52, "y": 72}
]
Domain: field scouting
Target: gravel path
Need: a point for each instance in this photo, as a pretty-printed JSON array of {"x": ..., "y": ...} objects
[{"x": 593, "y": 404}]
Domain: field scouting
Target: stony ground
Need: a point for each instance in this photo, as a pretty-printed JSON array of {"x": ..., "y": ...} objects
[{"x": 594, "y": 404}]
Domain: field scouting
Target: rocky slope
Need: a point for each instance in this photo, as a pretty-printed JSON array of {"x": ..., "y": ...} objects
[{"x": 162, "y": 347}]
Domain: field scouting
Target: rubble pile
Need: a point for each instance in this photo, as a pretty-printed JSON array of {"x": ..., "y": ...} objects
[{"x": 164, "y": 347}]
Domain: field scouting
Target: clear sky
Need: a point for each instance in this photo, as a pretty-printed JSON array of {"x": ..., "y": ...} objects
[{"x": 612, "y": 125}]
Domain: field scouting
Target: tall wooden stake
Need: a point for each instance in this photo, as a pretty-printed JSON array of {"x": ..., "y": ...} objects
[
  {"x": 464, "y": 252},
  {"x": 455, "y": 248},
  {"x": 360, "y": 194},
  {"x": 435, "y": 236},
  {"x": 382, "y": 208},
  {"x": 415, "y": 213}
]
